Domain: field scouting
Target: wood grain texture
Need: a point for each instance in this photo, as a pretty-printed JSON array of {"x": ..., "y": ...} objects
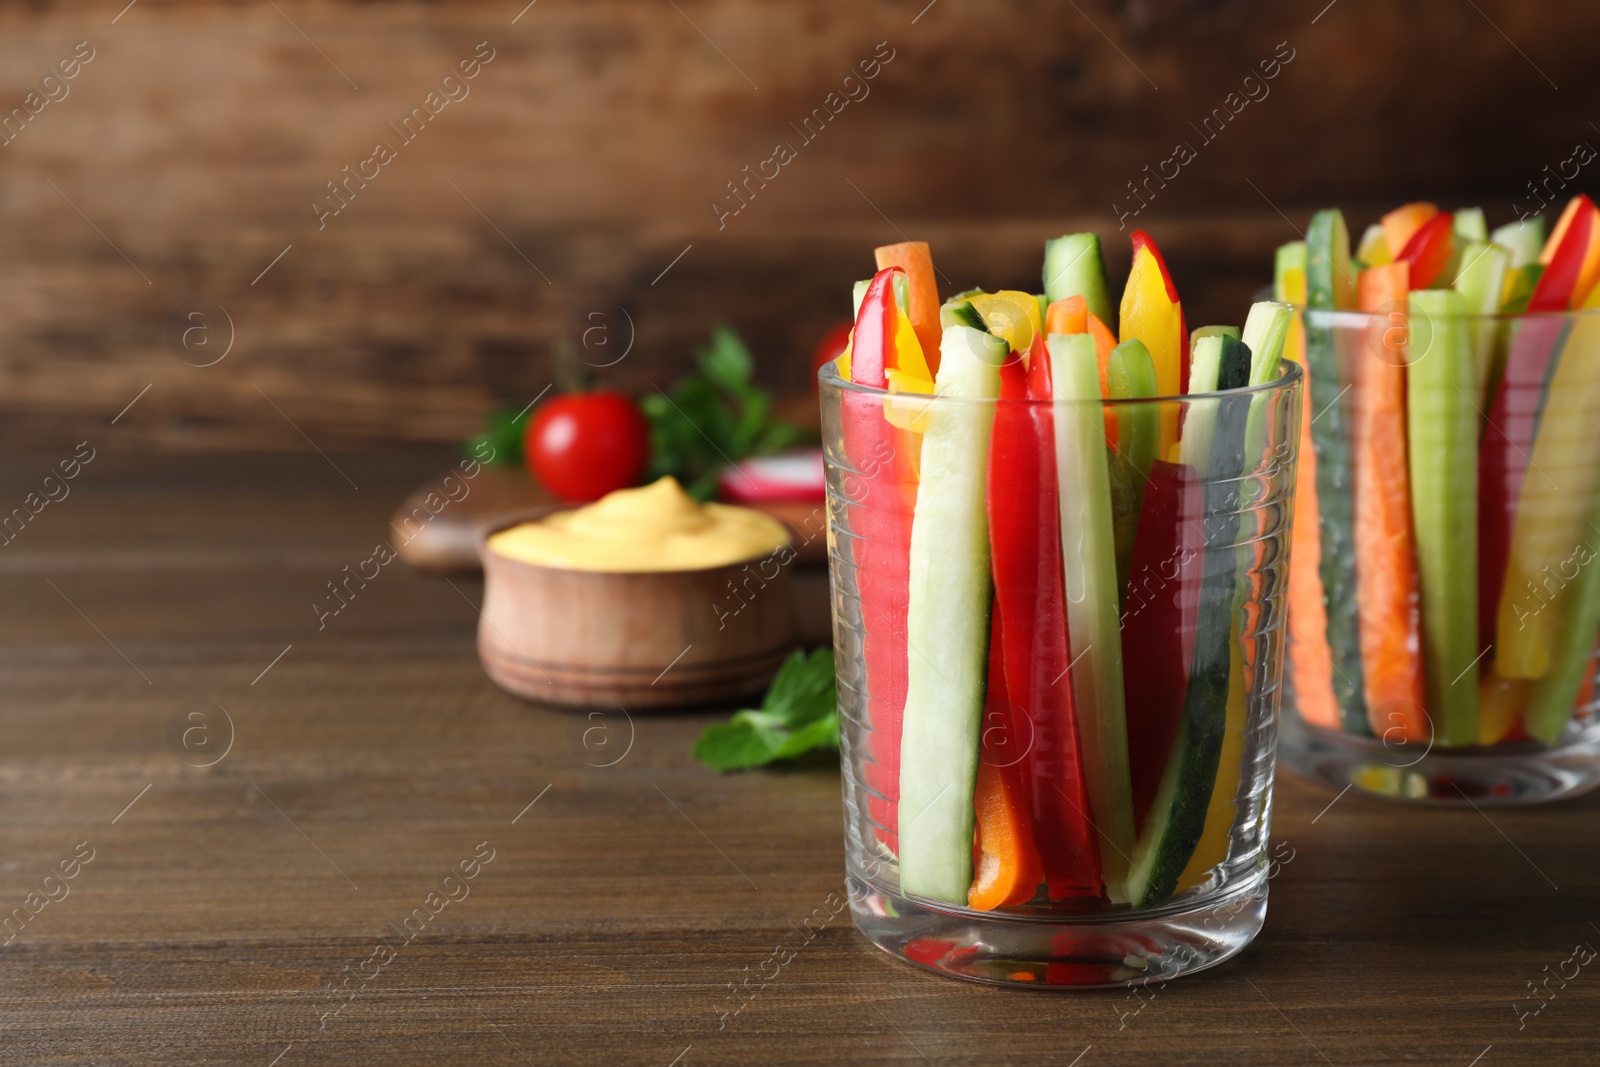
[
  {"x": 224, "y": 906},
  {"x": 588, "y": 154}
]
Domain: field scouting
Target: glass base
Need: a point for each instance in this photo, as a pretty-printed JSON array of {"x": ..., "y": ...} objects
[
  {"x": 1503, "y": 775},
  {"x": 1040, "y": 950}
]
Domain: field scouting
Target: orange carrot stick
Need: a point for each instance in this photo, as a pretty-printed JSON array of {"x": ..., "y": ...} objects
[
  {"x": 1310, "y": 661},
  {"x": 1386, "y": 571},
  {"x": 1104, "y": 342},
  {"x": 914, "y": 258},
  {"x": 1068, "y": 315},
  {"x": 1071, "y": 315},
  {"x": 1006, "y": 869},
  {"x": 1401, "y": 224}
]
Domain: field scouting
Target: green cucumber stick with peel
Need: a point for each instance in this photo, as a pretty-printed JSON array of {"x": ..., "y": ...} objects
[
  {"x": 1329, "y": 287},
  {"x": 1177, "y": 816},
  {"x": 1073, "y": 266}
]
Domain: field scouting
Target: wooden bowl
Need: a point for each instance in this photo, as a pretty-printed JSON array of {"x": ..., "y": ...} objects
[{"x": 653, "y": 639}]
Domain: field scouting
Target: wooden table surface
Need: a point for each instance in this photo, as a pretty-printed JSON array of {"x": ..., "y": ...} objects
[{"x": 224, "y": 905}]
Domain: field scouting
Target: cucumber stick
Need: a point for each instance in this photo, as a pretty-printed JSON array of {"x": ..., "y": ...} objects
[
  {"x": 1130, "y": 375},
  {"x": 1469, "y": 225},
  {"x": 1266, "y": 328},
  {"x": 1177, "y": 817},
  {"x": 947, "y": 624},
  {"x": 858, "y": 293},
  {"x": 1572, "y": 658},
  {"x": 1549, "y": 534},
  {"x": 1522, "y": 239},
  {"x": 1205, "y": 371},
  {"x": 1216, "y": 442},
  {"x": 1087, "y": 546},
  {"x": 1073, "y": 266},
  {"x": 1570, "y": 638},
  {"x": 1328, "y": 287},
  {"x": 1443, "y": 437},
  {"x": 959, "y": 312},
  {"x": 902, "y": 294},
  {"x": 1480, "y": 281},
  {"x": 1205, "y": 363}
]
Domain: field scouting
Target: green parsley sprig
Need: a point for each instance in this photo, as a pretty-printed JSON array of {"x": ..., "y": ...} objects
[
  {"x": 799, "y": 715},
  {"x": 713, "y": 417}
]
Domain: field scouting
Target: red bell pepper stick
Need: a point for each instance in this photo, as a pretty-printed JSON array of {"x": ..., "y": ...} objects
[
  {"x": 1514, "y": 415},
  {"x": 1159, "y": 620},
  {"x": 881, "y": 500},
  {"x": 1429, "y": 251},
  {"x": 1024, "y": 529}
]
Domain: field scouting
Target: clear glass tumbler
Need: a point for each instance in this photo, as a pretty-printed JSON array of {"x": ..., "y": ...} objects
[
  {"x": 1445, "y": 601},
  {"x": 1059, "y": 663}
]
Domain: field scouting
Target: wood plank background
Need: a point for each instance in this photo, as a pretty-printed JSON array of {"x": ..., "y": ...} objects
[{"x": 553, "y": 198}]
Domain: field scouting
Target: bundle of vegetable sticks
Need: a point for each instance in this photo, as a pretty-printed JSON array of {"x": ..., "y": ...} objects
[
  {"x": 1446, "y": 502},
  {"x": 1053, "y": 597}
]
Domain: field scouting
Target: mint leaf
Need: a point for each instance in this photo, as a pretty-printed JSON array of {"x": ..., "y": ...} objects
[{"x": 798, "y": 715}]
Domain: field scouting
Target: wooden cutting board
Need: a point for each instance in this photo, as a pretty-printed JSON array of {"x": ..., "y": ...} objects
[
  {"x": 437, "y": 528},
  {"x": 438, "y": 525}
]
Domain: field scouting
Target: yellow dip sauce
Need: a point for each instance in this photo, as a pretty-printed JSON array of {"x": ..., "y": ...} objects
[{"x": 656, "y": 527}]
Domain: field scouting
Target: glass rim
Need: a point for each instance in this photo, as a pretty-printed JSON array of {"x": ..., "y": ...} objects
[
  {"x": 1289, "y": 373},
  {"x": 1351, "y": 317}
]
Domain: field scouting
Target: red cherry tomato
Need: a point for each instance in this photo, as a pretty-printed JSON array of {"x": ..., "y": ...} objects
[
  {"x": 831, "y": 347},
  {"x": 582, "y": 446},
  {"x": 1429, "y": 250}
]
